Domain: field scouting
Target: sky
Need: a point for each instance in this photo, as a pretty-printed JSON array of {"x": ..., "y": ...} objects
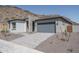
[{"x": 70, "y": 11}]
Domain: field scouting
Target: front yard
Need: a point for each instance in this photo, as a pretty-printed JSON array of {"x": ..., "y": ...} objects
[
  {"x": 54, "y": 44},
  {"x": 45, "y": 42},
  {"x": 9, "y": 36}
]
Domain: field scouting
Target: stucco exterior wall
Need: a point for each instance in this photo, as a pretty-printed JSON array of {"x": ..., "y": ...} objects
[
  {"x": 20, "y": 27},
  {"x": 61, "y": 26},
  {"x": 31, "y": 19}
]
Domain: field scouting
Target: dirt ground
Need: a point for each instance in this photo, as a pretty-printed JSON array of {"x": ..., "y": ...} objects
[
  {"x": 10, "y": 36},
  {"x": 60, "y": 43}
]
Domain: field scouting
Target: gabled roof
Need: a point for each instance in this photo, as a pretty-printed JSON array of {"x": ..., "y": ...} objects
[{"x": 11, "y": 12}]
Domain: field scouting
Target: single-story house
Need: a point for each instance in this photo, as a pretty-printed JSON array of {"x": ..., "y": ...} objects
[{"x": 49, "y": 24}]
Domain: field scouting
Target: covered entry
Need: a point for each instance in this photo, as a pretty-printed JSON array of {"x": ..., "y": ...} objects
[{"x": 46, "y": 27}]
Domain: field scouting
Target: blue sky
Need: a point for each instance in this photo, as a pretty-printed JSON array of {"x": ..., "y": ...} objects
[{"x": 70, "y": 11}]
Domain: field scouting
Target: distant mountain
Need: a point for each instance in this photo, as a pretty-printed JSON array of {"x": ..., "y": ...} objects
[{"x": 13, "y": 12}]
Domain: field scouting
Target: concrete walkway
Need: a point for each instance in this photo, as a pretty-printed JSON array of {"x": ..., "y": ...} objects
[{"x": 32, "y": 40}]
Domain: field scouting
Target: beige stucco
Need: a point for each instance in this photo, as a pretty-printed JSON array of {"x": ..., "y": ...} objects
[{"x": 61, "y": 26}]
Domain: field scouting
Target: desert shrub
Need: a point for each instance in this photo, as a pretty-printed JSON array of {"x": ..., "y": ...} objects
[
  {"x": 4, "y": 31},
  {"x": 65, "y": 33},
  {"x": 63, "y": 39},
  {"x": 51, "y": 42},
  {"x": 70, "y": 50}
]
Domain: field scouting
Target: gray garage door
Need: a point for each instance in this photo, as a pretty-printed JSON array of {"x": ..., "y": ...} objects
[{"x": 48, "y": 27}]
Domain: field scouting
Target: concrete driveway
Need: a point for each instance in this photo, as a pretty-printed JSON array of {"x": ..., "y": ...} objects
[
  {"x": 10, "y": 47},
  {"x": 32, "y": 40}
]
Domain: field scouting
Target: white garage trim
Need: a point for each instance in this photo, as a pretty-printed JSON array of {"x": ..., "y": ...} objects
[
  {"x": 20, "y": 26},
  {"x": 46, "y": 26}
]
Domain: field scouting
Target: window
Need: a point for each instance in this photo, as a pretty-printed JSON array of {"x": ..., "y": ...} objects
[{"x": 14, "y": 25}]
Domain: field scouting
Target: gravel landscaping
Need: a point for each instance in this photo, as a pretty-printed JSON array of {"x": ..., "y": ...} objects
[
  {"x": 59, "y": 44},
  {"x": 46, "y": 42},
  {"x": 10, "y": 36}
]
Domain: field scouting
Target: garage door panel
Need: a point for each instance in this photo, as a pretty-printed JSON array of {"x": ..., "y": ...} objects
[
  {"x": 46, "y": 27},
  {"x": 20, "y": 27}
]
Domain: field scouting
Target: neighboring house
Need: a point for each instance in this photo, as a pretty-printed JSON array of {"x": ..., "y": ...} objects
[
  {"x": 49, "y": 24},
  {"x": 76, "y": 28}
]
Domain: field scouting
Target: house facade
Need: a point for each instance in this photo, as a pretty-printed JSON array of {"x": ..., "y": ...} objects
[
  {"x": 18, "y": 25},
  {"x": 53, "y": 24}
]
